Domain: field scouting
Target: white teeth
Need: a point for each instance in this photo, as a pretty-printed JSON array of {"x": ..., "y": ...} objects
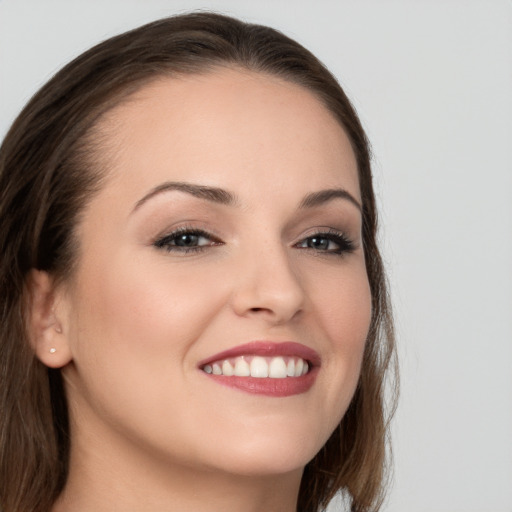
[
  {"x": 227, "y": 369},
  {"x": 290, "y": 368},
  {"x": 299, "y": 366},
  {"x": 277, "y": 368},
  {"x": 259, "y": 367},
  {"x": 242, "y": 368}
]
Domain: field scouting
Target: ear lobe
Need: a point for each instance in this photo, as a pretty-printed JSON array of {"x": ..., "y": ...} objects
[{"x": 45, "y": 323}]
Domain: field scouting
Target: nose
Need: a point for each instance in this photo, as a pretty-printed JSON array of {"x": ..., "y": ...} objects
[{"x": 268, "y": 286}]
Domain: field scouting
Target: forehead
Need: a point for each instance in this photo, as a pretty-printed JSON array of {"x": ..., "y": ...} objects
[{"x": 240, "y": 127}]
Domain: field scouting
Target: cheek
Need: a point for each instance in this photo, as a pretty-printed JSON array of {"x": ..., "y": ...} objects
[
  {"x": 153, "y": 312},
  {"x": 343, "y": 306},
  {"x": 343, "y": 302},
  {"x": 135, "y": 325}
]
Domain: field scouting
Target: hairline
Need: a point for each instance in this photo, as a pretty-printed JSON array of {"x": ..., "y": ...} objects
[{"x": 97, "y": 134}]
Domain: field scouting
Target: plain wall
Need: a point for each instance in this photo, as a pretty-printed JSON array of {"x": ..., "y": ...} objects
[{"x": 432, "y": 82}]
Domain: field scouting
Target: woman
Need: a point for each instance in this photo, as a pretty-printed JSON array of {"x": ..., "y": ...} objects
[{"x": 194, "y": 312}]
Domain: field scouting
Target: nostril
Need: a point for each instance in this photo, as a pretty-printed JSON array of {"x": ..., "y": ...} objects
[{"x": 276, "y": 298}]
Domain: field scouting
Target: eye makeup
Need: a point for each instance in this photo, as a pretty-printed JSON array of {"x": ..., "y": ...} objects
[
  {"x": 329, "y": 241},
  {"x": 187, "y": 239}
]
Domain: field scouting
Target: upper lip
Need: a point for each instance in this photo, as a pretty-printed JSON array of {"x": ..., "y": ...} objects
[{"x": 267, "y": 349}]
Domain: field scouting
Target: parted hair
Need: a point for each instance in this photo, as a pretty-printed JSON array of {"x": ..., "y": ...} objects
[{"x": 50, "y": 167}]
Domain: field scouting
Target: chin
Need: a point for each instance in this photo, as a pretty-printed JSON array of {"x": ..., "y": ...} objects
[
  {"x": 265, "y": 453},
  {"x": 265, "y": 464}
]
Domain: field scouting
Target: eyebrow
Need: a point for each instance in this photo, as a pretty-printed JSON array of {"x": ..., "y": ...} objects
[
  {"x": 324, "y": 196},
  {"x": 213, "y": 194},
  {"x": 222, "y": 196}
]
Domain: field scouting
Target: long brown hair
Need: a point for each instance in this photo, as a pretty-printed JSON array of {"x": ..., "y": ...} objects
[{"x": 49, "y": 168}]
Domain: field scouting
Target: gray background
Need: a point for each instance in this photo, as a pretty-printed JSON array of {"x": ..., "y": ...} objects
[{"x": 432, "y": 82}]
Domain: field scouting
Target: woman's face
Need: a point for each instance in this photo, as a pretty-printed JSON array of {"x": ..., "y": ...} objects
[{"x": 227, "y": 238}]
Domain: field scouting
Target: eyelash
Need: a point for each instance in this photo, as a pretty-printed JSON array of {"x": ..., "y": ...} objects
[
  {"x": 344, "y": 244},
  {"x": 165, "y": 242}
]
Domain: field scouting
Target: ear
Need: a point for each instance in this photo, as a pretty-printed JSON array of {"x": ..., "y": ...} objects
[{"x": 46, "y": 326}]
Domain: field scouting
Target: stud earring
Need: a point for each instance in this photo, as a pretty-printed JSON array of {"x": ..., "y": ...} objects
[{"x": 53, "y": 350}]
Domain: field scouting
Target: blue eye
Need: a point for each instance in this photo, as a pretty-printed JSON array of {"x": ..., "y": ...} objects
[
  {"x": 331, "y": 242},
  {"x": 186, "y": 240}
]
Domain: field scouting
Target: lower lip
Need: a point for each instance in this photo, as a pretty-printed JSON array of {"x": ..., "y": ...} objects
[{"x": 268, "y": 387}]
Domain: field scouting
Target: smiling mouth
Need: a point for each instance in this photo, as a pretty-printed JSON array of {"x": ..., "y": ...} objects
[
  {"x": 265, "y": 368},
  {"x": 279, "y": 367}
]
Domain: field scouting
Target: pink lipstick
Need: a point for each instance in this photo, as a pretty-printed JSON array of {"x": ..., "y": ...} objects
[{"x": 264, "y": 367}]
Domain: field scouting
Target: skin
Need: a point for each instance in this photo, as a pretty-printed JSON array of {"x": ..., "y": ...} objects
[{"x": 150, "y": 430}]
